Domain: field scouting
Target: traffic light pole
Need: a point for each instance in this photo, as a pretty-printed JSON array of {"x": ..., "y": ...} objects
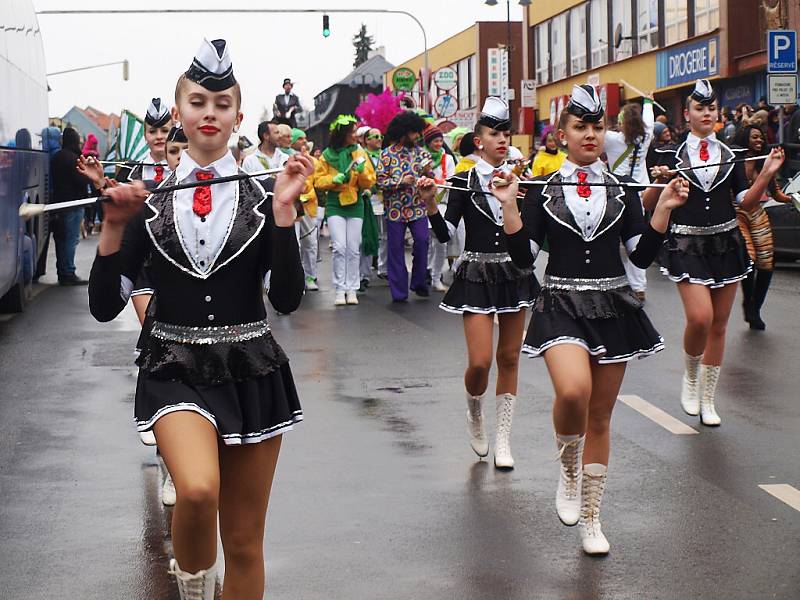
[
  {"x": 323, "y": 11},
  {"x": 124, "y": 64}
]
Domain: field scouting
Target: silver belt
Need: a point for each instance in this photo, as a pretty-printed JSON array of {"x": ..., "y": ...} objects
[
  {"x": 710, "y": 230},
  {"x": 184, "y": 334},
  {"x": 580, "y": 284},
  {"x": 485, "y": 257}
]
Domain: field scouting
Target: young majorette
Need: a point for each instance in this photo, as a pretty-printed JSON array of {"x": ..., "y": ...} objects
[
  {"x": 213, "y": 384},
  {"x": 486, "y": 283},
  {"x": 587, "y": 322},
  {"x": 705, "y": 253},
  {"x": 157, "y": 123}
]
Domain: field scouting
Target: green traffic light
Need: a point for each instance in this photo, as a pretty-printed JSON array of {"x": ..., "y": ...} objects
[
  {"x": 326, "y": 26},
  {"x": 326, "y": 32}
]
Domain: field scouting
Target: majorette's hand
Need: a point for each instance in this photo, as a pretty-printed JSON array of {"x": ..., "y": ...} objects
[
  {"x": 774, "y": 161},
  {"x": 288, "y": 187},
  {"x": 91, "y": 168},
  {"x": 426, "y": 188},
  {"x": 675, "y": 194},
  {"x": 126, "y": 202},
  {"x": 505, "y": 187}
]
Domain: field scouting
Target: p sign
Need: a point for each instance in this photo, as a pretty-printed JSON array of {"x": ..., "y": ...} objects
[{"x": 782, "y": 51}]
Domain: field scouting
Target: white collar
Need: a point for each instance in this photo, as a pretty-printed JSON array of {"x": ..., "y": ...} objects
[
  {"x": 568, "y": 168},
  {"x": 693, "y": 141},
  {"x": 222, "y": 167},
  {"x": 154, "y": 161},
  {"x": 485, "y": 169}
]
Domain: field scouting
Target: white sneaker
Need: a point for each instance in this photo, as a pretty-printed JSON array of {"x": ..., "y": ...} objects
[
  {"x": 568, "y": 493},
  {"x": 504, "y": 404},
  {"x": 351, "y": 298},
  {"x": 148, "y": 438},
  {"x": 594, "y": 482},
  {"x": 709, "y": 376},
  {"x": 690, "y": 388},
  {"x": 194, "y": 586},
  {"x": 168, "y": 495},
  {"x": 339, "y": 299},
  {"x": 311, "y": 285},
  {"x": 477, "y": 434},
  {"x": 439, "y": 286}
]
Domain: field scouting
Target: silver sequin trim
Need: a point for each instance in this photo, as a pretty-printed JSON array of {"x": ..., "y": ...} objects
[
  {"x": 226, "y": 334},
  {"x": 579, "y": 284},
  {"x": 485, "y": 257},
  {"x": 711, "y": 230}
]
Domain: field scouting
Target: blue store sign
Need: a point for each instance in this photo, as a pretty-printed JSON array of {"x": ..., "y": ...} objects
[{"x": 698, "y": 60}]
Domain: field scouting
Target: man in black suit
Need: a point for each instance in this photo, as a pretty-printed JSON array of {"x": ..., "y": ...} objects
[{"x": 287, "y": 105}]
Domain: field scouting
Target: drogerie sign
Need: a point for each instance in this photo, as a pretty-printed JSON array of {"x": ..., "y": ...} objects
[{"x": 698, "y": 60}]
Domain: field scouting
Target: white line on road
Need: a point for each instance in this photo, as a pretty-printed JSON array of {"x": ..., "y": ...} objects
[
  {"x": 658, "y": 416},
  {"x": 785, "y": 493}
]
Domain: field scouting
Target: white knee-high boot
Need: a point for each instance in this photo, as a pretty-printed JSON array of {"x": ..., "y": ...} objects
[
  {"x": 504, "y": 404},
  {"x": 690, "y": 389},
  {"x": 477, "y": 433},
  {"x": 709, "y": 376},
  {"x": 194, "y": 586},
  {"x": 568, "y": 494},
  {"x": 594, "y": 483}
]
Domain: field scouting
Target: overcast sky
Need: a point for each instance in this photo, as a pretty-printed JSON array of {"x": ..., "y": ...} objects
[{"x": 265, "y": 48}]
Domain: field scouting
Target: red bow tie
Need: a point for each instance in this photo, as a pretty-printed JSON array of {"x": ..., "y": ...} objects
[
  {"x": 584, "y": 191},
  {"x": 704, "y": 156},
  {"x": 202, "y": 194},
  {"x": 159, "y": 174}
]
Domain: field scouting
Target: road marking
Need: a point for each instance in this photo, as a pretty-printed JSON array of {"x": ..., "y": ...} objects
[
  {"x": 785, "y": 493},
  {"x": 658, "y": 416}
]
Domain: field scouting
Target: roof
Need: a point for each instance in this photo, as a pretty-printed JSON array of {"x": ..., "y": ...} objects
[
  {"x": 104, "y": 121},
  {"x": 368, "y": 73}
]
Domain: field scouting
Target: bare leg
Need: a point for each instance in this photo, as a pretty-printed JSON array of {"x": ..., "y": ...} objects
[
  {"x": 247, "y": 474},
  {"x": 478, "y": 332},
  {"x": 188, "y": 444},
  {"x": 571, "y": 374},
  {"x": 606, "y": 381},
  {"x": 722, "y": 300},
  {"x": 508, "y": 348},
  {"x": 699, "y": 314}
]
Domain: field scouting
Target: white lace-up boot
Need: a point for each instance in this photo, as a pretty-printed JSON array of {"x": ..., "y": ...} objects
[
  {"x": 709, "y": 376},
  {"x": 194, "y": 586},
  {"x": 594, "y": 482},
  {"x": 477, "y": 433},
  {"x": 568, "y": 494},
  {"x": 168, "y": 495},
  {"x": 690, "y": 390},
  {"x": 148, "y": 438},
  {"x": 504, "y": 404}
]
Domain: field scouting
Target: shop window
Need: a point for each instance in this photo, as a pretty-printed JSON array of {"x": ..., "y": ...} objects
[
  {"x": 621, "y": 15},
  {"x": 577, "y": 39},
  {"x": 647, "y": 18},
  {"x": 462, "y": 89},
  {"x": 706, "y": 16},
  {"x": 558, "y": 33},
  {"x": 542, "y": 54},
  {"x": 676, "y": 21},
  {"x": 598, "y": 32}
]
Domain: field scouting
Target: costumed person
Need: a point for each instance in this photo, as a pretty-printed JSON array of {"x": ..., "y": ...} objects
[
  {"x": 469, "y": 153},
  {"x": 443, "y": 169},
  {"x": 626, "y": 152},
  {"x": 373, "y": 234},
  {"x": 486, "y": 284},
  {"x": 587, "y": 322},
  {"x": 213, "y": 383},
  {"x": 705, "y": 252},
  {"x": 267, "y": 156},
  {"x": 402, "y": 163},
  {"x": 662, "y": 136},
  {"x": 549, "y": 157},
  {"x": 285, "y": 139},
  {"x": 90, "y": 214},
  {"x": 157, "y": 123},
  {"x": 307, "y": 224},
  {"x": 454, "y": 137},
  {"x": 287, "y": 105},
  {"x": 344, "y": 171},
  {"x": 757, "y": 231}
]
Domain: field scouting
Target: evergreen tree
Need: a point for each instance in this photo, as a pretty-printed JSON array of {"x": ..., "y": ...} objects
[{"x": 363, "y": 43}]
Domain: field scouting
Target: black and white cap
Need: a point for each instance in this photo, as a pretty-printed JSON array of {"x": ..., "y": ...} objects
[
  {"x": 703, "y": 93},
  {"x": 157, "y": 113},
  {"x": 495, "y": 114},
  {"x": 585, "y": 103},
  {"x": 212, "y": 67},
  {"x": 176, "y": 134}
]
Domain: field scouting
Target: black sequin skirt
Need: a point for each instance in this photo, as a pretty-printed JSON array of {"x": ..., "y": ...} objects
[
  {"x": 712, "y": 260},
  {"x": 488, "y": 283},
  {"x": 236, "y": 377},
  {"x": 609, "y": 323}
]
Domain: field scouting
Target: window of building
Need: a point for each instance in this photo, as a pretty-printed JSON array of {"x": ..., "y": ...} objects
[
  {"x": 558, "y": 55},
  {"x": 706, "y": 16},
  {"x": 473, "y": 81},
  {"x": 466, "y": 91},
  {"x": 647, "y": 17},
  {"x": 621, "y": 15},
  {"x": 542, "y": 54},
  {"x": 577, "y": 39},
  {"x": 676, "y": 21},
  {"x": 598, "y": 32}
]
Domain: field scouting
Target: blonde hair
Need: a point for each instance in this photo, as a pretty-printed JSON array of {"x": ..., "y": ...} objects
[
  {"x": 284, "y": 129},
  {"x": 237, "y": 91}
]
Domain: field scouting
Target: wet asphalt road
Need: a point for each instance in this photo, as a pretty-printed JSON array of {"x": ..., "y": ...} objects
[{"x": 378, "y": 495}]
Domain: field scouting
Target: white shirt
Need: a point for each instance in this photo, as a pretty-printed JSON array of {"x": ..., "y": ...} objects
[
  {"x": 149, "y": 173},
  {"x": 587, "y": 211},
  {"x": 484, "y": 171},
  {"x": 253, "y": 162},
  {"x": 615, "y": 146},
  {"x": 203, "y": 238},
  {"x": 704, "y": 176}
]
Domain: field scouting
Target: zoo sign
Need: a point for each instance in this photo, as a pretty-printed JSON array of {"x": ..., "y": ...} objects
[
  {"x": 445, "y": 78},
  {"x": 404, "y": 79}
]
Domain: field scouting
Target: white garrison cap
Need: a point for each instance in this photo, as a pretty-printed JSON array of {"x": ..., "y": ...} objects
[
  {"x": 157, "y": 113},
  {"x": 212, "y": 67},
  {"x": 495, "y": 114}
]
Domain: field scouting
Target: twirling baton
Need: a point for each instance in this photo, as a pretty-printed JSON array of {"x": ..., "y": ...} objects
[
  {"x": 27, "y": 211},
  {"x": 719, "y": 164}
]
